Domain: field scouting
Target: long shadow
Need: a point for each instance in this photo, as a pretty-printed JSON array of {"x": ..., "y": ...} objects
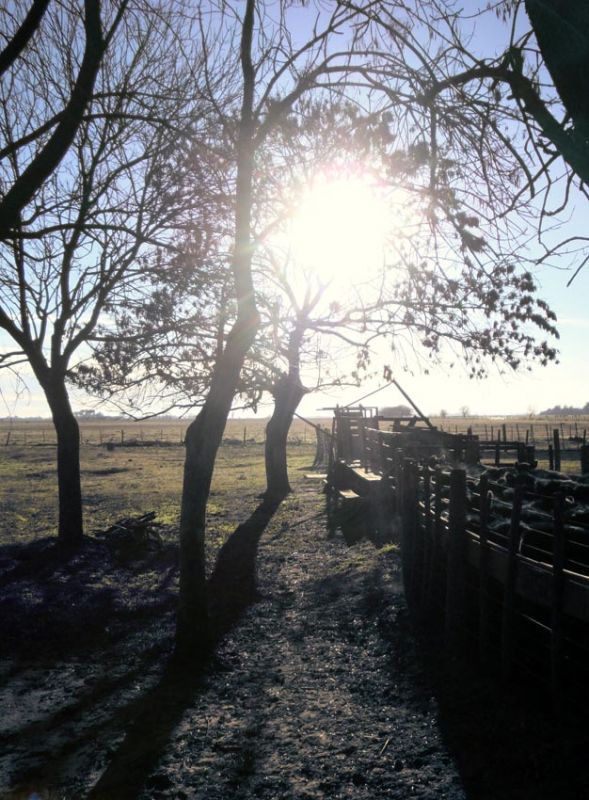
[
  {"x": 231, "y": 589},
  {"x": 504, "y": 739},
  {"x": 232, "y": 584},
  {"x": 55, "y": 602}
]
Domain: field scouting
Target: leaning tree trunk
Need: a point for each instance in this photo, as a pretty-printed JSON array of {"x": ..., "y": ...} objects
[
  {"x": 288, "y": 393},
  {"x": 203, "y": 438},
  {"x": 70, "y": 529}
]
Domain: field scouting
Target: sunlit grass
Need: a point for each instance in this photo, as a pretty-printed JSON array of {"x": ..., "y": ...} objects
[{"x": 130, "y": 481}]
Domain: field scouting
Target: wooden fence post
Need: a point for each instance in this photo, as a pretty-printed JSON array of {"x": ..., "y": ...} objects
[
  {"x": 455, "y": 574},
  {"x": 473, "y": 451},
  {"x": 362, "y": 443},
  {"x": 531, "y": 454},
  {"x": 484, "y": 507},
  {"x": 426, "y": 538},
  {"x": 556, "y": 436},
  {"x": 585, "y": 459},
  {"x": 556, "y": 638},
  {"x": 508, "y": 617}
]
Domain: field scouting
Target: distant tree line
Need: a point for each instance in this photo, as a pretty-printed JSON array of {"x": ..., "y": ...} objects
[{"x": 565, "y": 411}]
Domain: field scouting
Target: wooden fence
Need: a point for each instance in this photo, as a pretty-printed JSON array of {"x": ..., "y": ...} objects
[
  {"x": 504, "y": 567},
  {"x": 498, "y": 559}
]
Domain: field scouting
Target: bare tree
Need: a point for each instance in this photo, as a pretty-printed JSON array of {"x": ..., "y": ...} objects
[
  {"x": 463, "y": 283},
  {"x": 275, "y": 74},
  {"x": 42, "y": 141},
  {"x": 508, "y": 107},
  {"x": 85, "y": 233}
]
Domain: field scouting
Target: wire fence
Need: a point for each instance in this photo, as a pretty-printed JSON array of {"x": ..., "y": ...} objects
[{"x": 144, "y": 434}]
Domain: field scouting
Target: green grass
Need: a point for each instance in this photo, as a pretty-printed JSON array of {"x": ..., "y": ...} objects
[{"x": 129, "y": 481}]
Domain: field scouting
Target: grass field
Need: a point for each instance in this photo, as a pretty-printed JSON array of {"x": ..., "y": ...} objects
[
  {"x": 169, "y": 432},
  {"x": 317, "y": 687},
  {"x": 538, "y": 429},
  {"x": 123, "y": 481}
]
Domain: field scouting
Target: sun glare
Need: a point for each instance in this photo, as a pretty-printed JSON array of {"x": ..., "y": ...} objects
[{"x": 340, "y": 229}]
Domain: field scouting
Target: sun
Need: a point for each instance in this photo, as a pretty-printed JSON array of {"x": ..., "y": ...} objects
[{"x": 339, "y": 230}]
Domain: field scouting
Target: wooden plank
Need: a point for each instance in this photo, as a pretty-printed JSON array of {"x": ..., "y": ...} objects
[
  {"x": 533, "y": 580},
  {"x": 364, "y": 475},
  {"x": 348, "y": 494}
]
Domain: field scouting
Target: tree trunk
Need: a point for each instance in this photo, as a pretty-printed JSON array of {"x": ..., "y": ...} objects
[
  {"x": 203, "y": 438},
  {"x": 204, "y": 435},
  {"x": 70, "y": 530},
  {"x": 288, "y": 393},
  {"x": 562, "y": 30}
]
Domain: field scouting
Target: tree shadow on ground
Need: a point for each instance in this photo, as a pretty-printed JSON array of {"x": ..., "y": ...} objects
[
  {"x": 56, "y": 603},
  {"x": 231, "y": 589},
  {"x": 232, "y": 584}
]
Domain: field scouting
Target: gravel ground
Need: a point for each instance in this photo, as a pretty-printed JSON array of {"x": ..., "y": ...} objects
[{"x": 317, "y": 687}]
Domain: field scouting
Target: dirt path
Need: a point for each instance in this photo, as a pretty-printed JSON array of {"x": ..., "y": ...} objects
[
  {"x": 316, "y": 688},
  {"x": 312, "y": 704},
  {"x": 306, "y": 697}
]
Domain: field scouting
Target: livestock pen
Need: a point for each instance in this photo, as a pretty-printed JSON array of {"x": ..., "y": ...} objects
[{"x": 496, "y": 556}]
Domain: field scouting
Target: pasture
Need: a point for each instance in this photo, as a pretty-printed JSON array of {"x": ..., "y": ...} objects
[
  {"x": 128, "y": 481},
  {"x": 132, "y": 468},
  {"x": 149, "y": 432}
]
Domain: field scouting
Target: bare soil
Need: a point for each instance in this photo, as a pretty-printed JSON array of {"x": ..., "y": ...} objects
[{"x": 317, "y": 686}]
